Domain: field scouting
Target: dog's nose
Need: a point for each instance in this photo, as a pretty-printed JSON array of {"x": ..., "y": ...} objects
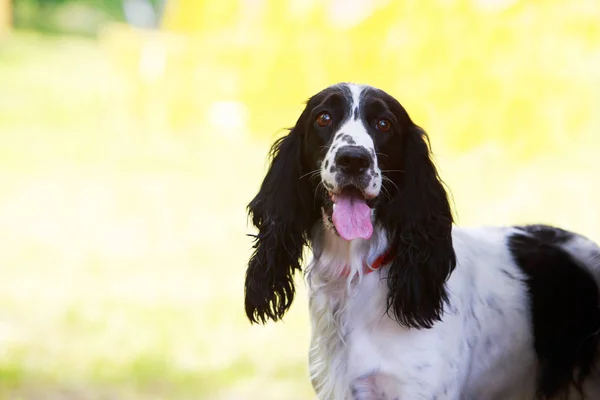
[{"x": 353, "y": 160}]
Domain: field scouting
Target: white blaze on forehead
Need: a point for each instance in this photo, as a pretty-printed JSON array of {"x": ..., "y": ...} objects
[
  {"x": 354, "y": 127},
  {"x": 356, "y": 90}
]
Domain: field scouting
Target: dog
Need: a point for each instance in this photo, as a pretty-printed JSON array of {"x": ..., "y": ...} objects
[{"x": 403, "y": 303}]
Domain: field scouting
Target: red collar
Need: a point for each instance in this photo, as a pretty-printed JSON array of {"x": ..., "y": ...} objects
[{"x": 379, "y": 261}]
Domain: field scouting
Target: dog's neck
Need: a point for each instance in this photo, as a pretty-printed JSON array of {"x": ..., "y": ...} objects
[
  {"x": 337, "y": 268},
  {"x": 336, "y": 259}
]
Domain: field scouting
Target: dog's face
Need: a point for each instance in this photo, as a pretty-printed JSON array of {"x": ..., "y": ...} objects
[
  {"x": 354, "y": 160},
  {"x": 352, "y": 135}
]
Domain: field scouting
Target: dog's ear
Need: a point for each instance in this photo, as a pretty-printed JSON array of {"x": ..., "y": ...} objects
[
  {"x": 283, "y": 211},
  {"x": 419, "y": 221}
]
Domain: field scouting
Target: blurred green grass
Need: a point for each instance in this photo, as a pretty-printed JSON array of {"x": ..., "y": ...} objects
[
  {"x": 122, "y": 253},
  {"x": 122, "y": 239}
]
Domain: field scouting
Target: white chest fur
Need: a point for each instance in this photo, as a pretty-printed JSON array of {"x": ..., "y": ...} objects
[
  {"x": 336, "y": 282},
  {"x": 474, "y": 350}
]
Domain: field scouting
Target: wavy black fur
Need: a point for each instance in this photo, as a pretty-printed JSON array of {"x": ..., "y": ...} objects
[
  {"x": 419, "y": 221},
  {"x": 283, "y": 211}
]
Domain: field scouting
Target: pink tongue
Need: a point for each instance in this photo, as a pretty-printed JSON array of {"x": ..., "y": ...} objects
[{"x": 352, "y": 216}]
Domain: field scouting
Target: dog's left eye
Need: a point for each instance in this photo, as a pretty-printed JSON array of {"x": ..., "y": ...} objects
[{"x": 383, "y": 125}]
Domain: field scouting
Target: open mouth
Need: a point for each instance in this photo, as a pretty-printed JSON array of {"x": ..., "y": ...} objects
[{"x": 350, "y": 213}]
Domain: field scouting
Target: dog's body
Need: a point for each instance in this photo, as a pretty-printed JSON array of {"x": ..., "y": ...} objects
[
  {"x": 404, "y": 305},
  {"x": 482, "y": 349}
]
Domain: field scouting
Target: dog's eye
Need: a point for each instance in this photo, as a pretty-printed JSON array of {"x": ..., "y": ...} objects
[
  {"x": 324, "y": 119},
  {"x": 383, "y": 125}
]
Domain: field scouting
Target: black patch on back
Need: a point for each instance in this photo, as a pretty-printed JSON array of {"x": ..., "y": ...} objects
[
  {"x": 548, "y": 234},
  {"x": 564, "y": 304}
]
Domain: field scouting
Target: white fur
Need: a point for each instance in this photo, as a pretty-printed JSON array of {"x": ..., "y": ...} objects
[
  {"x": 482, "y": 349},
  {"x": 357, "y": 131}
]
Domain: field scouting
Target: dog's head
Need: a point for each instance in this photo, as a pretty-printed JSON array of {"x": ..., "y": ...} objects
[{"x": 354, "y": 160}]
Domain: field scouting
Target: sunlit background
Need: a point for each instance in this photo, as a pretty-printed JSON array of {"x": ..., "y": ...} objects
[{"x": 134, "y": 132}]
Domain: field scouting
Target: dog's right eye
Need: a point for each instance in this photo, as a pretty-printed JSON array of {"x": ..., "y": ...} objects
[{"x": 323, "y": 119}]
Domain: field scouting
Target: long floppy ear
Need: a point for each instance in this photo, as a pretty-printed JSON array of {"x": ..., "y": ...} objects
[
  {"x": 284, "y": 212},
  {"x": 419, "y": 221}
]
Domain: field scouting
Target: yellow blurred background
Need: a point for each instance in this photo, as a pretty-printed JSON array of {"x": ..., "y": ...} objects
[{"x": 133, "y": 133}]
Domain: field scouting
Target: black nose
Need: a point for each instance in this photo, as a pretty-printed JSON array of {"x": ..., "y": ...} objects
[{"x": 353, "y": 160}]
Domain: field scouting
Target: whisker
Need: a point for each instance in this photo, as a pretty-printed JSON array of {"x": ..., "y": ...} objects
[
  {"x": 385, "y": 192},
  {"x": 311, "y": 173},
  {"x": 315, "y": 176},
  {"x": 386, "y": 179},
  {"x": 388, "y": 191},
  {"x": 392, "y": 170},
  {"x": 317, "y": 191}
]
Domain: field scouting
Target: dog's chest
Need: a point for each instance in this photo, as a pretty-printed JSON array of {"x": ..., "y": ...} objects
[
  {"x": 348, "y": 326},
  {"x": 352, "y": 336}
]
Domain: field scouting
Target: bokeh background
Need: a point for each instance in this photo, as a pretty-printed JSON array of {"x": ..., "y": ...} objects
[{"x": 134, "y": 132}]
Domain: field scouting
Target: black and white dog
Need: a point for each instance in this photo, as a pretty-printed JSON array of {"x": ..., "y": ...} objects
[{"x": 404, "y": 305}]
